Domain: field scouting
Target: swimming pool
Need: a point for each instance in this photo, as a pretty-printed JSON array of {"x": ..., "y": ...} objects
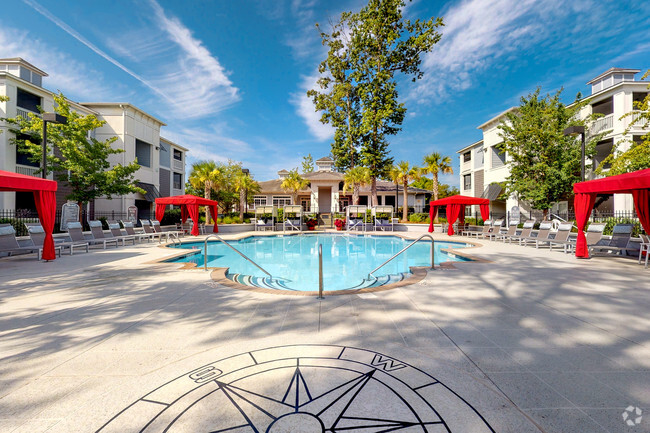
[{"x": 292, "y": 260}]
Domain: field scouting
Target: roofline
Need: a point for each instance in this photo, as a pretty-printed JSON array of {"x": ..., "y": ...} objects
[
  {"x": 613, "y": 70},
  {"x": 123, "y": 104},
  {"x": 469, "y": 147},
  {"x": 167, "y": 140},
  {"x": 25, "y": 63},
  {"x": 600, "y": 93},
  {"x": 509, "y": 110}
]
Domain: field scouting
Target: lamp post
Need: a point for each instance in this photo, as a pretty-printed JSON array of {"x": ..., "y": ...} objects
[
  {"x": 573, "y": 131},
  {"x": 49, "y": 118}
]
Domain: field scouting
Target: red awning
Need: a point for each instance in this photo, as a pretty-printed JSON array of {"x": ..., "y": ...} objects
[
  {"x": 44, "y": 198},
  {"x": 456, "y": 208},
  {"x": 189, "y": 207},
  {"x": 636, "y": 183}
]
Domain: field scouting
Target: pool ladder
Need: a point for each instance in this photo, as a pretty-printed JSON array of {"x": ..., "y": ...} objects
[
  {"x": 426, "y": 235},
  {"x": 205, "y": 254}
]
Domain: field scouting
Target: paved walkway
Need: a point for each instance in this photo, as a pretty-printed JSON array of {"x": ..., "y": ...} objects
[{"x": 532, "y": 341}]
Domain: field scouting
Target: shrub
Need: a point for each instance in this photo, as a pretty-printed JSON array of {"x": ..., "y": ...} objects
[
  {"x": 419, "y": 218},
  {"x": 171, "y": 217}
]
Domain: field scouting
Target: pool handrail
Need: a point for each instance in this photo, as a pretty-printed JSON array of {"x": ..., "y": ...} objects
[
  {"x": 426, "y": 235},
  {"x": 320, "y": 271},
  {"x": 205, "y": 254}
]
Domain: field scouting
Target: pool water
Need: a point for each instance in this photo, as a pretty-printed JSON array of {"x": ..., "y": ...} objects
[{"x": 292, "y": 260}]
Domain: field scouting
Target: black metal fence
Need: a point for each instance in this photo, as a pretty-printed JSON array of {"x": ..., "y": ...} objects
[{"x": 18, "y": 218}]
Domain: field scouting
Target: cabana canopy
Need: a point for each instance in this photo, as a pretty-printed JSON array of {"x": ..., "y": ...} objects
[
  {"x": 636, "y": 183},
  {"x": 44, "y": 197},
  {"x": 189, "y": 207},
  {"x": 456, "y": 207}
]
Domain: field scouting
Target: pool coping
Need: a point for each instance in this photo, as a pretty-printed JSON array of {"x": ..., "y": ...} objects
[{"x": 219, "y": 274}]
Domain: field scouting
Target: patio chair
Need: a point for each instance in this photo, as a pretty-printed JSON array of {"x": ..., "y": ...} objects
[
  {"x": 97, "y": 232},
  {"x": 496, "y": 230},
  {"x": 618, "y": 243},
  {"x": 645, "y": 247},
  {"x": 75, "y": 231},
  {"x": 487, "y": 226},
  {"x": 292, "y": 218},
  {"x": 543, "y": 232},
  {"x": 130, "y": 230},
  {"x": 116, "y": 233},
  {"x": 512, "y": 231},
  {"x": 525, "y": 232},
  {"x": 37, "y": 235},
  {"x": 560, "y": 236},
  {"x": 593, "y": 235},
  {"x": 10, "y": 246},
  {"x": 148, "y": 229},
  {"x": 169, "y": 233}
]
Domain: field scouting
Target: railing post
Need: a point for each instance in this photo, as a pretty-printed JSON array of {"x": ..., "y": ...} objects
[
  {"x": 320, "y": 271},
  {"x": 433, "y": 248}
]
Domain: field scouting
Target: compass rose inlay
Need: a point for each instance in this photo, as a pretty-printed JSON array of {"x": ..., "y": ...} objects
[{"x": 302, "y": 388}]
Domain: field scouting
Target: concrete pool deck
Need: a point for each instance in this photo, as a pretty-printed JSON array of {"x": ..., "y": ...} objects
[{"x": 526, "y": 341}]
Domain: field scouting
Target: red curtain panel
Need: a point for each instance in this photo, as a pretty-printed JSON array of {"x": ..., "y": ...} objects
[
  {"x": 160, "y": 211},
  {"x": 583, "y": 204},
  {"x": 453, "y": 210},
  {"x": 642, "y": 206},
  {"x": 46, "y": 207}
]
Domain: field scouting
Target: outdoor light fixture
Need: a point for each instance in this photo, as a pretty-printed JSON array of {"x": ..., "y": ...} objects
[
  {"x": 575, "y": 130},
  {"x": 49, "y": 118}
]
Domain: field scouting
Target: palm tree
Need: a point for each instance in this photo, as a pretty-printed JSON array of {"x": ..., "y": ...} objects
[
  {"x": 245, "y": 185},
  {"x": 354, "y": 179},
  {"x": 294, "y": 182},
  {"x": 206, "y": 175},
  {"x": 435, "y": 163},
  {"x": 403, "y": 173}
]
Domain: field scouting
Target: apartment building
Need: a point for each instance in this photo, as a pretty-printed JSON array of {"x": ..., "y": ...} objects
[
  {"x": 483, "y": 164},
  {"x": 162, "y": 162}
]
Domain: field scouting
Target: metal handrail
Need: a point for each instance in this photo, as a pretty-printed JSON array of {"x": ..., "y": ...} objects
[
  {"x": 320, "y": 271},
  {"x": 205, "y": 254},
  {"x": 426, "y": 235}
]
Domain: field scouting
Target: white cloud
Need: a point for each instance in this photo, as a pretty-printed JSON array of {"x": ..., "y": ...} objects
[
  {"x": 305, "y": 109},
  {"x": 75, "y": 79}
]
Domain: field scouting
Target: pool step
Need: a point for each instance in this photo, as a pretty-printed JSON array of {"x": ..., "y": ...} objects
[{"x": 280, "y": 284}]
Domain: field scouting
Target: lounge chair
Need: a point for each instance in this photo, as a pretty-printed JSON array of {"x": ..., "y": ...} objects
[
  {"x": 487, "y": 227},
  {"x": 645, "y": 247},
  {"x": 37, "y": 235},
  {"x": 383, "y": 218},
  {"x": 543, "y": 232},
  {"x": 496, "y": 230},
  {"x": 155, "y": 224},
  {"x": 355, "y": 217},
  {"x": 116, "y": 233},
  {"x": 130, "y": 230},
  {"x": 10, "y": 246},
  {"x": 75, "y": 231},
  {"x": 292, "y": 218},
  {"x": 512, "y": 231},
  {"x": 618, "y": 243},
  {"x": 526, "y": 231},
  {"x": 148, "y": 229},
  {"x": 559, "y": 237},
  {"x": 593, "y": 235},
  {"x": 265, "y": 217}
]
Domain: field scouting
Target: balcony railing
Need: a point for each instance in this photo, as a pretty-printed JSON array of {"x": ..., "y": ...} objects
[
  {"x": 24, "y": 113},
  {"x": 27, "y": 170},
  {"x": 603, "y": 124},
  {"x": 177, "y": 165},
  {"x": 633, "y": 121}
]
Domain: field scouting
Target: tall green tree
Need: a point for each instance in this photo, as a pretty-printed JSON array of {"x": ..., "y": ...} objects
[
  {"x": 637, "y": 156},
  {"x": 307, "y": 164},
  {"x": 378, "y": 44},
  {"x": 246, "y": 186},
  {"x": 80, "y": 160},
  {"x": 293, "y": 183},
  {"x": 435, "y": 163},
  {"x": 544, "y": 163},
  {"x": 444, "y": 190},
  {"x": 354, "y": 179},
  {"x": 403, "y": 173},
  {"x": 206, "y": 176}
]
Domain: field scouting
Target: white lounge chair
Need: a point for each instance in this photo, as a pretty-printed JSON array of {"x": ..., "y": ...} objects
[
  {"x": 37, "y": 235},
  {"x": 130, "y": 230},
  {"x": 75, "y": 231},
  {"x": 512, "y": 231},
  {"x": 10, "y": 246},
  {"x": 619, "y": 243},
  {"x": 559, "y": 237},
  {"x": 543, "y": 232},
  {"x": 116, "y": 233}
]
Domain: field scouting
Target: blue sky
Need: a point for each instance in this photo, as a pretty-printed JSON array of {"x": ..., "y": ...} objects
[{"x": 229, "y": 77}]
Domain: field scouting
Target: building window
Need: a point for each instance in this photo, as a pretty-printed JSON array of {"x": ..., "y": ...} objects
[
  {"x": 178, "y": 181},
  {"x": 498, "y": 156},
  {"x": 281, "y": 200},
  {"x": 259, "y": 200},
  {"x": 467, "y": 156},
  {"x": 164, "y": 155},
  {"x": 467, "y": 182},
  {"x": 28, "y": 101},
  {"x": 143, "y": 153},
  {"x": 478, "y": 160},
  {"x": 638, "y": 98},
  {"x": 178, "y": 155}
]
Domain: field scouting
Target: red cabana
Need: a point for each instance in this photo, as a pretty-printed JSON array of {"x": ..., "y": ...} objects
[
  {"x": 44, "y": 197},
  {"x": 636, "y": 183},
  {"x": 189, "y": 207},
  {"x": 456, "y": 207}
]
